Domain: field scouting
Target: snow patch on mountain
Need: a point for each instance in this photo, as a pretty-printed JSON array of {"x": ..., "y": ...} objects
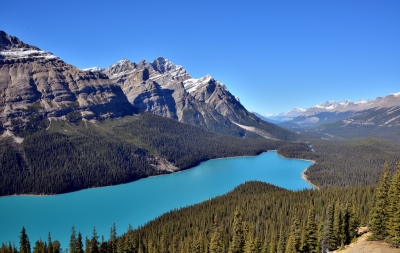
[
  {"x": 191, "y": 85},
  {"x": 93, "y": 69},
  {"x": 21, "y": 53}
]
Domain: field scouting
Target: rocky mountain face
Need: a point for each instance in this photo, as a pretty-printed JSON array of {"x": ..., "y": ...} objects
[
  {"x": 35, "y": 83},
  {"x": 166, "y": 89}
]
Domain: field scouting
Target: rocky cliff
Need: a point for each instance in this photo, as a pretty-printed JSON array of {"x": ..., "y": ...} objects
[{"x": 35, "y": 82}]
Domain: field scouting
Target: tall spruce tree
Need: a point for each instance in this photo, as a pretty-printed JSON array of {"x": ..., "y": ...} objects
[
  {"x": 394, "y": 209},
  {"x": 237, "y": 243},
  {"x": 329, "y": 232},
  {"x": 24, "y": 245},
  {"x": 293, "y": 243},
  {"x": 282, "y": 241},
  {"x": 94, "y": 242},
  {"x": 379, "y": 215},
  {"x": 72, "y": 241},
  {"x": 216, "y": 242},
  {"x": 79, "y": 243},
  {"x": 311, "y": 232}
]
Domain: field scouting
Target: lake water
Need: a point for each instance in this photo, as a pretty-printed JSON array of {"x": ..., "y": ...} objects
[{"x": 141, "y": 201}]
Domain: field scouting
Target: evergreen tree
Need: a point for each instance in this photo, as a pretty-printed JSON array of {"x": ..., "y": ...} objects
[
  {"x": 354, "y": 222},
  {"x": 237, "y": 243},
  {"x": 56, "y": 247},
  {"x": 94, "y": 242},
  {"x": 79, "y": 243},
  {"x": 281, "y": 242},
  {"x": 337, "y": 225},
  {"x": 379, "y": 216},
  {"x": 113, "y": 238},
  {"x": 293, "y": 243},
  {"x": 346, "y": 237},
  {"x": 87, "y": 245},
  {"x": 216, "y": 242},
  {"x": 329, "y": 233},
  {"x": 24, "y": 245},
  {"x": 49, "y": 244},
  {"x": 249, "y": 246},
  {"x": 72, "y": 241},
  {"x": 40, "y": 247},
  {"x": 394, "y": 209},
  {"x": 311, "y": 232}
]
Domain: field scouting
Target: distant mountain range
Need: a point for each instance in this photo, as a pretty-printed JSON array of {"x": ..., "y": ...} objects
[{"x": 346, "y": 119}]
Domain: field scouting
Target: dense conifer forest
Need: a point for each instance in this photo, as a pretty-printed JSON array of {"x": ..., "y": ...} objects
[
  {"x": 254, "y": 217},
  {"x": 71, "y": 156}
]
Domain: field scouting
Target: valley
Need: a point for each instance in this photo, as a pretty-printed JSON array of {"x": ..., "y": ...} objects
[{"x": 65, "y": 130}]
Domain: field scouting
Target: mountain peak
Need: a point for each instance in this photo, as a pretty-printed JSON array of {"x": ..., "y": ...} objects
[
  {"x": 13, "y": 48},
  {"x": 163, "y": 65},
  {"x": 121, "y": 67},
  {"x": 8, "y": 41}
]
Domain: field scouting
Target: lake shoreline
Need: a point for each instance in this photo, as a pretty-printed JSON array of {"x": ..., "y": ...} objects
[{"x": 303, "y": 176}]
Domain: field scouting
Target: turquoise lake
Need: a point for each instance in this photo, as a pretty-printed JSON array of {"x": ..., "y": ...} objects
[{"x": 141, "y": 201}]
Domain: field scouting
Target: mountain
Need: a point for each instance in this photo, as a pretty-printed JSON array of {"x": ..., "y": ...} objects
[
  {"x": 347, "y": 119},
  {"x": 35, "y": 83},
  {"x": 65, "y": 129},
  {"x": 166, "y": 89}
]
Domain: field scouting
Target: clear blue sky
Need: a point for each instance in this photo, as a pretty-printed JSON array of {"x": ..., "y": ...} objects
[{"x": 274, "y": 55}]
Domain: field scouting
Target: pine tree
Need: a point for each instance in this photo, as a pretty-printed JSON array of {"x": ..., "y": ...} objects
[
  {"x": 378, "y": 216},
  {"x": 337, "y": 225},
  {"x": 216, "y": 242},
  {"x": 79, "y": 243},
  {"x": 394, "y": 209},
  {"x": 56, "y": 247},
  {"x": 281, "y": 242},
  {"x": 237, "y": 243},
  {"x": 329, "y": 233},
  {"x": 249, "y": 243},
  {"x": 113, "y": 239},
  {"x": 354, "y": 222},
  {"x": 72, "y": 241},
  {"x": 94, "y": 242},
  {"x": 346, "y": 238},
  {"x": 49, "y": 244},
  {"x": 311, "y": 232},
  {"x": 87, "y": 245},
  {"x": 24, "y": 245},
  {"x": 293, "y": 244}
]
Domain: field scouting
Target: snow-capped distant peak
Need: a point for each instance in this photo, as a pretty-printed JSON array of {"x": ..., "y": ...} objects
[
  {"x": 299, "y": 109},
  {"x": 396, "y": 94},
  {"x": 361, "y": 101}
]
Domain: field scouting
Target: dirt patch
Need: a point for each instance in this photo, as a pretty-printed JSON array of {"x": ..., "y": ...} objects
[{"x": 364, "y": 246}]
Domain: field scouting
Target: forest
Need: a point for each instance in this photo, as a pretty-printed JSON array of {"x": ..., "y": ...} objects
[
  {"x": 254, "y": 217},
  {"x": 73, "y": 156}
]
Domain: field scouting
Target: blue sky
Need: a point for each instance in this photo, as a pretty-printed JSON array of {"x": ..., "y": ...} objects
[{"x": 274, "y": 55}]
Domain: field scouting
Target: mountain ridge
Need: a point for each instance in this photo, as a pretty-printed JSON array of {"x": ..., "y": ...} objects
[{"x": 36, "y": 84}]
